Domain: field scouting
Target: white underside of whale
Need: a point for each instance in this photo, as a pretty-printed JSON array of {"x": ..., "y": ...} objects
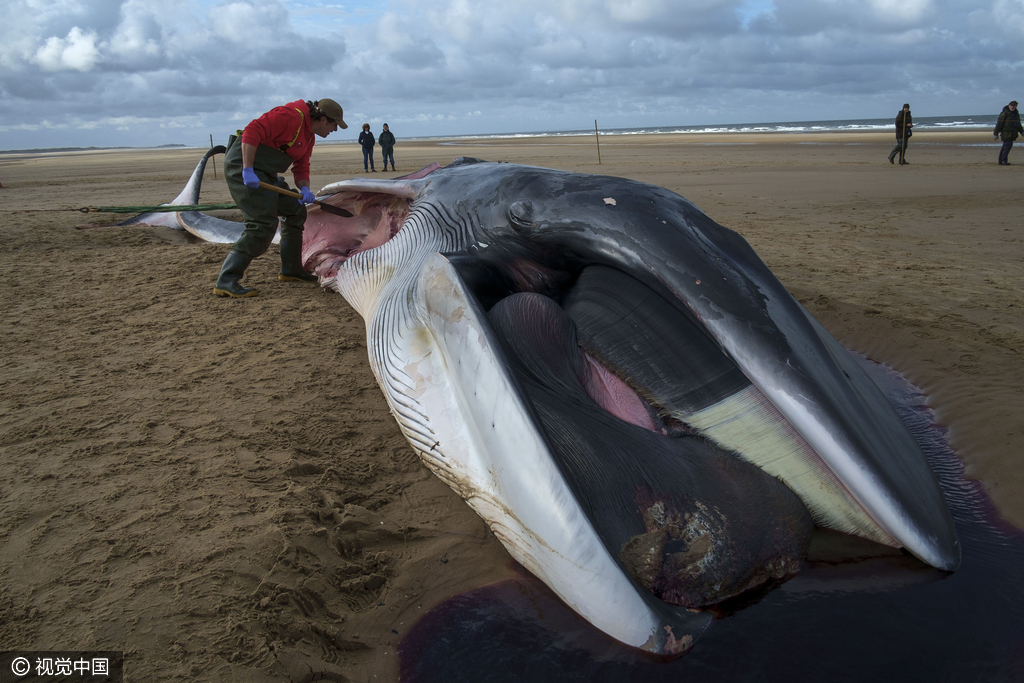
[{"x": 439, "y": 367}]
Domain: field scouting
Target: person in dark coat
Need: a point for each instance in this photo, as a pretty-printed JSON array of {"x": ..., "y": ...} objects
[
  {"x": 387, "y": 146},
  {"x": 1007, "y": 128},
  {"x": 367, "y": 140},
  {"x": 904, "y": 122}
]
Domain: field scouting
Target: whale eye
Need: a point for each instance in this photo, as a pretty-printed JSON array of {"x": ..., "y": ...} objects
[{"x": 521, "y": 213}]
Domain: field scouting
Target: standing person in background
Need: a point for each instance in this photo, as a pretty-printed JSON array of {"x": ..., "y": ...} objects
[
  {"x": 387, "y": 147},
  {"x": 367, "y": 141},
  {"x": 904, "y": 122},
  {"x": 282, "y": 137},
  {"x": 1007, "y": 128}
]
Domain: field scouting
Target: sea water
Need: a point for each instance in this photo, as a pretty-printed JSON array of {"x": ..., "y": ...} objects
[{"x": 924, "y": 123}]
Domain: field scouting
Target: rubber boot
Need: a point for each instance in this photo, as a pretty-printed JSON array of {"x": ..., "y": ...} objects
[
  {"x": 230, "y": 273},
  {"x": 291, "y": 261}
]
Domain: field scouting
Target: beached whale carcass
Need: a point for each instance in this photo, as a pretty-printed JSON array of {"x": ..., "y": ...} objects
[{"x": 617, "y": 385}]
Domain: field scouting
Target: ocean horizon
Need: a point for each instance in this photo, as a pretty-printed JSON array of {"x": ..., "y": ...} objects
[
  {"x": 974, "y": 122},
  {"x": 924, "y": 123}
]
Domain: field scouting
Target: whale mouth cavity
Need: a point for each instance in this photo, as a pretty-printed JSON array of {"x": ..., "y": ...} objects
[
  {"x": 692, "y": 523},
  {"x": 379, "y": 211},
  {"x": 645, "y": 361},
  {"x": 330, "y": 240},
  {"x": 620, "y": 378}
]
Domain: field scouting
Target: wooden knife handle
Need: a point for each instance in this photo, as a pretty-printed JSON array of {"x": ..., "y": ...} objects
[{"x": 280, "y": 190}]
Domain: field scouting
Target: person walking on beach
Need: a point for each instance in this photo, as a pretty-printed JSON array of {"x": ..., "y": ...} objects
[
  {"x": 282, "y": 137},
  {"x": 904, "y": 122},
  {"x": 367, "y": 141},
  {"x": 387, "y": 147},
  {"x": 1007, "y": 128}
]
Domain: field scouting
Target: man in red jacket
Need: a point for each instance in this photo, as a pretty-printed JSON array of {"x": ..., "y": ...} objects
[{"x": 282, "y": 137}]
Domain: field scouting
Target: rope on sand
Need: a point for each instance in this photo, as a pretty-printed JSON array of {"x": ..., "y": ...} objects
[
  {"x": 156, "y": 209},
  {"x": 163, "y": 208}
]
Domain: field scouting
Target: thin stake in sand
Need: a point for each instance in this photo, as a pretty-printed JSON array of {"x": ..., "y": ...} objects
[{"x": 213, "y": 158}]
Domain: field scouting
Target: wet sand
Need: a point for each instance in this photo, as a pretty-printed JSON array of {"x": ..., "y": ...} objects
[{"x": 216, "y": 486}]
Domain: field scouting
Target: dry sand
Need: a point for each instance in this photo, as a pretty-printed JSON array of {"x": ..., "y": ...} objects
[{"x": 216, "y": 486}]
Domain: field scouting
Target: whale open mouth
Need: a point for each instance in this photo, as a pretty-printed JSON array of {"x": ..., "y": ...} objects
[
  {"x": 643, "y": 415},
  {"x": 329, "y": 240},
  {"x": 698, "y": 484},
  {"x": 378, "y": 214}
]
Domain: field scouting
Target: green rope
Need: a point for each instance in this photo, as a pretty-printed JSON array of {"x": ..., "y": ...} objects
[{"x": 153, "y": 209}]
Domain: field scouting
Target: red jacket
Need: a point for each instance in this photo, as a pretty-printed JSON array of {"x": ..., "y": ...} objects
[{"x": 289, "y": 129}]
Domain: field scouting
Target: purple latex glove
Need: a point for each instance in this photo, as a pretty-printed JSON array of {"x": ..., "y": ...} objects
[
  {"x": 307, "y": 196},
  {"x": 249, "y": 177}
]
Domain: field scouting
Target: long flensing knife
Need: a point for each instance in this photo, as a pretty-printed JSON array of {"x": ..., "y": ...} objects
[{"x": 336, "y": 210}]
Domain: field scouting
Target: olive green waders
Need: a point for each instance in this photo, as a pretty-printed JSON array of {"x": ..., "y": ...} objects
[{"x": 261, "y": 209}]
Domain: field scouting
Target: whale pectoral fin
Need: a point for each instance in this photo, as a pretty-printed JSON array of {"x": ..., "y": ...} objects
[{"x": 496, "y": 457}]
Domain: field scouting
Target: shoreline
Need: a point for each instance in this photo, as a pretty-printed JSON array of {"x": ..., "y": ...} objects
[{"x": 942, "y": 136}]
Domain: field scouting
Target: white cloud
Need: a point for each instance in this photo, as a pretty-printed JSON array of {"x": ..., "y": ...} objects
[
  {"x": 405, "y": 42},
  {"x": 901, "y": 10},
  {"x": 633, "y": 11},
  {"x": 1008, "y": 15},
  {"x": 77, "y": 51},
  {"x": 248, "y": 23},
  {"x": 140, "y": 35},
  {"x": 677, "y": 17},
  {"x": 192, "y": 67}
]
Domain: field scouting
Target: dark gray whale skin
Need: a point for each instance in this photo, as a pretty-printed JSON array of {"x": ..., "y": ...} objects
[
  {"x": 510, "y": 229},
  {"x": 563, "y": 221}
]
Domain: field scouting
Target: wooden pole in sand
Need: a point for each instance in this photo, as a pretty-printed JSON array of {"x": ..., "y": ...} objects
[
  {"x": 598, "y": 138},
  {"x": 214, "y": 159}
]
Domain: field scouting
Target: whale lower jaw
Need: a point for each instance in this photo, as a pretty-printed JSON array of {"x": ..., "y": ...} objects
[{"x": 444, "y": 381}]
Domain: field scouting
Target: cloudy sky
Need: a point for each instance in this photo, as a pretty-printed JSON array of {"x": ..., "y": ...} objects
[{"x": 154, "y": 72}]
